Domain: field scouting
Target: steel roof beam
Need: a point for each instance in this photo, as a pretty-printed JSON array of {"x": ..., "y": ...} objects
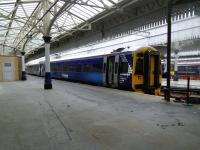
[
  {"x": 83, "y": 3},
  {"x": 32, "y": 25},
  {"x": 20, "y": 2},
  {"x": 11, "y": 21},
  {"x": 28, "y": 24},
  {"x": 24, "y": 35},
  {"x": 65, "y": 6}
]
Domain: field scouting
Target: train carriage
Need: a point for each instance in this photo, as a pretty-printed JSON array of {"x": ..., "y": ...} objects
[{"x": 134, "y": 69}]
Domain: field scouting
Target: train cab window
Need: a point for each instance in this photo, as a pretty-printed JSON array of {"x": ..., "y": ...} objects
[
  {"x": 123, "y": 67},
  {"x": 139, "y": 67},
  {"x": 140, "y": 55}
]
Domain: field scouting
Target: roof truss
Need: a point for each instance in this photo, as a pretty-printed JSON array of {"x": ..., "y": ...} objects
[{"x": 21, "y": 21}]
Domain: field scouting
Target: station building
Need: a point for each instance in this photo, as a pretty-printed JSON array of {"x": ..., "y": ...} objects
[
  {"x": 99, "y": 74},
  {"x": 10, "y": 68}
]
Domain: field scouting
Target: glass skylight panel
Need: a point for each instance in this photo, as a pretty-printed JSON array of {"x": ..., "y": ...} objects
[
  {"x": 91, "y": 9},
  {"x": 115, "y": 1},
  {"x": 29, "y": 1},
  {"x": 76, "y": 13},
  {"x": 83, "y": 9},
  {"x": 7, "y": 1},
  {"x": 79, "y": 14},
  {"x": 2, "y": 34},
  {"x": 56, "y": 34},
  {"x": 53, "y": 29},
  {"x": 68, "y": 21},
  {"x": 6, "y": 9},
  {"x": 13, "y": 33},
  {"x": 62, "y": 19},
  {"x": 99, "y": 9},
  {"x": 9, "y": 40},
  {"x": 2, "y": 12},
  {"x": 107, "y": 2},
  {"x": 77, "y": 20},
  {"x": 29, "y": 8},
  {"x": 59, "y": 3},
  {"x": 15, "y": 24},
  {"x": 95, "y": 2},
  {"x": 19, "y": 23},
  {"x": 4, "y": 22},
  {"x": 20, "y": 12}
]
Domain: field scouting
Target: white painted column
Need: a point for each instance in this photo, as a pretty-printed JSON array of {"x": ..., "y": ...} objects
[
  {"x": 47, "y": 57},
  {"x": 47, "y": 82},
  {"x": 176, "y": 63},
  {"x": 23, "y": 76},
  {"x": 47, "y": 39},
  {"x": 176, "y": 67},
  {"x": 23, "y": 63}
]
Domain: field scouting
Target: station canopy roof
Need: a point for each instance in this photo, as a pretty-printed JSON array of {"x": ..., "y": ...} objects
[{"x": 21, "y": 21}]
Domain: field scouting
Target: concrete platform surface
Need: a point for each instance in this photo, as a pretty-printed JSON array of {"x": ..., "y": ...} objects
[{"x": 76, "y": 116}]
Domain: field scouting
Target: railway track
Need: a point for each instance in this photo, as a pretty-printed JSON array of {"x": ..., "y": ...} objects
[{"x": 181, "y": 94}]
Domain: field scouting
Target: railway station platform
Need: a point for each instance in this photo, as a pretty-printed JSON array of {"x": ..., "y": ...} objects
[{"x": 76, "y": 116}]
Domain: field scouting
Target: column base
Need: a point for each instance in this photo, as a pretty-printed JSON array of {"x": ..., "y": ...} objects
[
  {"x": 47, "y": 82},
  {"x": 23, "y": 78}
]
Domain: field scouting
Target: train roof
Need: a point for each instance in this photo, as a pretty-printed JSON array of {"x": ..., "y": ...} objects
[{"x": 59, "y": 57}]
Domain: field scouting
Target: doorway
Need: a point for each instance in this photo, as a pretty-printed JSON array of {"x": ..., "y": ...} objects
[
  {"x": 8, "y": 73},
  {"x": 111, "y": 70}
]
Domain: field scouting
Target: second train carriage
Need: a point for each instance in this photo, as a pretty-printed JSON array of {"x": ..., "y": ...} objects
[
  {"x": 191, "y": 70},
  {"x": 183, "y": 70},
  {"x": 136, "y": 69}
]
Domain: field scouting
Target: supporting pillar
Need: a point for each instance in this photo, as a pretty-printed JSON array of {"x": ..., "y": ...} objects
[
  {"x": 169, "y": 49},
  {"x": 23, "y": 77},
  {"x": 47, "y": 82}
]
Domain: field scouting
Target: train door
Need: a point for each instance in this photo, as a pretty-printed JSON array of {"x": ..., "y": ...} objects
[
  {"x": 42, "y": 70},
  {"x": 138, "y": 75},
  {"x": 116, "y": 71},
  {"x": 152, "y": 71},
  {"x": 8, "y": 71},
  {"x": 104, "y": 70},
  {"x": 110, "y": 70}
]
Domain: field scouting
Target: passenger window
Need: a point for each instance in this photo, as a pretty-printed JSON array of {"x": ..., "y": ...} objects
[
  {"x": 78, "y": 68},
  {"x": 123, "y": 67},
  {"x": 92, "y": 68},
  {"x": 139, "y": 67},
  {"x": 97, "y": 68}
]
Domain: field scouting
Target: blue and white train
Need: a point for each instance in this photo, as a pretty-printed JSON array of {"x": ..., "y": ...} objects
[{"x": 134, "y": 69}]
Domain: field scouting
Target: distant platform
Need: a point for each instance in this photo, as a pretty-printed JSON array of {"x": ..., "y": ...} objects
[{"x": 194, "y": 84}]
